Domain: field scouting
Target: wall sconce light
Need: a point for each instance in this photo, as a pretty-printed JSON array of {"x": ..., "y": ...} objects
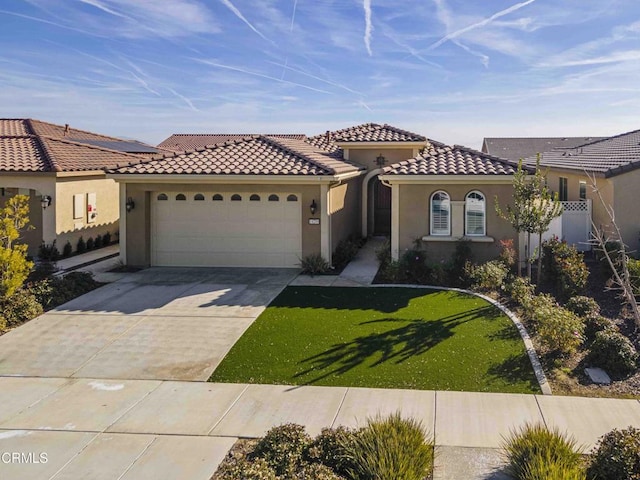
[
  {"x": 313, "y": 207},
  {"x": 130, "y": 205},
  {"x": 45, "y": 201},
  {"x": 380, "y": 160}
]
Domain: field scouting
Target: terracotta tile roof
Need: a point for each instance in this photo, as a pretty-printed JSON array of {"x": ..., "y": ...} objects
[
  {"x": 181, "y": 142},
  {"x": 371, "y": 132},
  {"x": 25, "y": 148},
  {"x": 522, "y": 147},
  {"x": 440, "y": 159},
  {"x": 610, "y": 156},
  {"x": 256, "y": 155}
]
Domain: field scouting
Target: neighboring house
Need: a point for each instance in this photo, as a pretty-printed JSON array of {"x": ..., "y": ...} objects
[
  {"x": 62, "y": 170},
  {"x": 517, "y": 148},
  {"x": 614, "y": 164},
  {"x": 183, "y": 142},
  {"x": 267, "y": 200}
]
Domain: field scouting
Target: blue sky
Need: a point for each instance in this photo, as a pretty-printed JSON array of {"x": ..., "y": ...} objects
[{"x": 453, "y": 70}]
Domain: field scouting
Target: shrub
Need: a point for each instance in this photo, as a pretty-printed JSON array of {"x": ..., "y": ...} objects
[
  {"x": 561, "y": 331},
  {"x": 414, "y": 267},
  {"x": 617, "y": 456},
  {"x": 383, "y": 253},
  {"x": 597, "y": 323},
  {"x": 613, "y": 352},
  {"x": 508, "y": 255},
  {"x": 345, "y": 251},
  {"x": 634, "y": 273},
  {"x": 391, "y": 448},
  {"x": 563, "y": 268},
  {"x": 90, "y": 243},
  {"x": 540, "y": 307},
  {"x": 58, "y": 290},
  {"x": 98, "y": 242},
  {"x": 282, "y": 448},
  {"x": 244, "y": 469},
  {"x": 533, "y": 449},
  {"x": 48, "y": 252},
  {"x": 316, "y": 471},
  {"x": 106, "y": 239},
  {"x": 459, "y": 265},
  {"x": 314, "y": 264},
  {"x": 81, "y": 246},
  {"x": 331, "y": 448},
  {"x": 20, "y": 307},
  {"x": 489, "y": 276},
  {"x": 3, "y": 324},
  {"x": 520, "y": 290},
  {"x": 583, "y": 306},
  {"x": 67, "y": 250}
]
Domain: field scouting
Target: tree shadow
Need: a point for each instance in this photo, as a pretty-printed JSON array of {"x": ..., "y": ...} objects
[
  {"x": 396, "y": 345},
  {"x": 516, "y": 369},
  {"x": 506, "y": 333}
]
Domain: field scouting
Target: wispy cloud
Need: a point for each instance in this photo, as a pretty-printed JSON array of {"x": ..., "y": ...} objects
[
  {"x": 483, "y": 58},
  {"x": 285, "y": 66},
  {"x": 261, "y": 75},
  {"x": 104, "y": 8},
  {"x": 368, "y": 27},
  {"x": 238, "y": 13},
  {"x": 293, "y": 14},
  {"x": 184, "y": 99},
  {"x": 613, "y": 57},
  {"x": 482, "y": 23}
]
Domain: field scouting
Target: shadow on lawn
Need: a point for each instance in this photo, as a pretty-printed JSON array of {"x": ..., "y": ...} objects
[
  {"x": 413, "y": 338},
  {"x": 516, "y": 369}
]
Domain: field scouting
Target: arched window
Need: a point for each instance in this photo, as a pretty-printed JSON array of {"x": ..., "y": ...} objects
[
  {"x": 198, "y": 197},
  {"x": 163, "y": 196},
  {"x": 217, "y": 198},
  {"x": 181, "y": 197},
  {"x": 254, "y": 198},
  {"x": 475, "y": 214},
  {"x": 440, "y": 214},
  {"x": 292, "y": 198},
  {"x": 274, "y": 198},
  {"x": 236, "y": 198}
]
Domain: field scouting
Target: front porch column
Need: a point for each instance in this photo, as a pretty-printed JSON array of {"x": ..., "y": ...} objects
[
  {"x": 395, "y": 222},
  {"x": 123, "y": 223},
  {"x": 325, "y": 223}
]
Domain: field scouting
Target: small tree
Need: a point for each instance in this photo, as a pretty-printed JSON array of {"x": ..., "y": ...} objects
[
  {"x": 534, "y": 207},
  {"x": 618, "y": 258},
  {"x": 14, "y": 266}
]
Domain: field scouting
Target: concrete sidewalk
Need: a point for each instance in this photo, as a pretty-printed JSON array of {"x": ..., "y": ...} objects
[{"x": 167, "y": 429}]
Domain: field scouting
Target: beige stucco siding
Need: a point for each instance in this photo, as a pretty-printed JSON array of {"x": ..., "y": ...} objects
[
  {"x": 627, "y": 187},
  {"x": 138, "y": 227},
  {"x": 345, "y": 210},
  {"x": 414, "y": 219},
  {"x": 367, "y": 156},
  {"x": 71, "y": 229}
]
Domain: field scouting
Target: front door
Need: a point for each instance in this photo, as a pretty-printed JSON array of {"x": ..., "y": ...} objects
[{"x": 381, "y": 209}]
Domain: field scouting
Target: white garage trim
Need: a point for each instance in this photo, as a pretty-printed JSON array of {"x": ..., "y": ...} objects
[{"x": 237, "y": 229}]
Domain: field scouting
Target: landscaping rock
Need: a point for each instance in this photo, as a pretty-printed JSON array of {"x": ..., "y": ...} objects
[{"x": 598, "y": 376}]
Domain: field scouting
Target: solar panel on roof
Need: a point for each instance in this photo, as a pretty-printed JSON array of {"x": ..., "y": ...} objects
[{"x": 119, "y": 145}]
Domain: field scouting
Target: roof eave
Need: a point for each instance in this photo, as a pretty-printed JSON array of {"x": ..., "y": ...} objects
[
  {"x": 230, "y": 179},
  {"x": 445, "y": 179}
]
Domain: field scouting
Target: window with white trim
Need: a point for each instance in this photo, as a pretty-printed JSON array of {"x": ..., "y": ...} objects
[
  {"x": 440, "y": 213},
  {"x": 475, "y": 214}
]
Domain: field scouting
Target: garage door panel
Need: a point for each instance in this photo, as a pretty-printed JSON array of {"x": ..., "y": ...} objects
[{"x": 226, "y": 233}]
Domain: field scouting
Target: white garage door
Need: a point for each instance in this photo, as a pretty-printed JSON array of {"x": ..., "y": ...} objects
[{"x": 243, "y": 229}]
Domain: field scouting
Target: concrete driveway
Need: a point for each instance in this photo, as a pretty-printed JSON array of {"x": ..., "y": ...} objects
[{"x": 157, "y": 324}]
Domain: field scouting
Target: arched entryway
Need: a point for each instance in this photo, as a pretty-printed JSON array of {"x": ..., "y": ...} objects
[{"x": 376, "y": 206}]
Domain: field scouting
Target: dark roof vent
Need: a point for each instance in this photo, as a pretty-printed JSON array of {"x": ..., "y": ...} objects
[{"x": 66, "y": 129}]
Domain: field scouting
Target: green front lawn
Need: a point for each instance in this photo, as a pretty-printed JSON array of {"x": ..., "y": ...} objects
[{"x": 381, "y": 337}]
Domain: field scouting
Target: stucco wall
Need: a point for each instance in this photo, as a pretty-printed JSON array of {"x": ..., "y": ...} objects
[
  {"x": 414, "y": 219},
  {"x": 627, "y": 187},
  {"x": 107, "y": 202},
  {"x": 367, "y": 156},
  {"x": 139, "y": 220},
  {"x": 43, "y": 222},
  {"x": 345, "y": 210}
]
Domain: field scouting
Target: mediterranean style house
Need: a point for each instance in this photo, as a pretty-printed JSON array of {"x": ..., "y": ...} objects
[
  {"x": 62, "y": 170},
  {"x": 270, "y": 200}
]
